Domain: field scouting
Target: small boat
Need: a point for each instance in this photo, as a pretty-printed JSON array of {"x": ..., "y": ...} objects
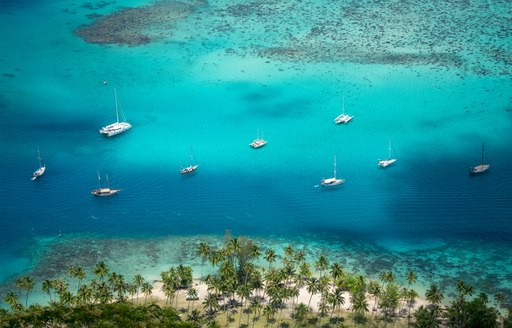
[
  {"x": 389, "y": 161},
  {"x": 117, "y": 127},
  {"x": 42, "y": 168},
  {"x": 104, "y": 191},
  {"x": 258, "y": 142},
  {"x": 481, "y": 168},
  {"x": 192, "y": 167},
  {"x": 330, "y": 182},
  {"x": 343, "y": 118}
]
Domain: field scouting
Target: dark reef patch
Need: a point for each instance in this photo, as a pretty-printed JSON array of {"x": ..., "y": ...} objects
[{"x": 133, "y": 26}]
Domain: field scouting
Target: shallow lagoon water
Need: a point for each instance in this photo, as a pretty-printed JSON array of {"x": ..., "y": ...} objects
[{"x": 212, "y": 79}]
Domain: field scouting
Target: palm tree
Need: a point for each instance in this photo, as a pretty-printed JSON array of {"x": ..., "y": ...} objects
[
  {"x": 336, "y": 271},
  {"x": 47, "y": 286},
  {"x": 203, "y": 251},
  {"x": 270, "y": 256},
  {"x": 463, "y": 289},
  {"x": 301, "y": 313},
  {"x": 411, "y": 297},
  {"x": 211, "y": 305},
  {"x": 101, "y": 270},
  {"x": 147, "y": 289},
  {"x": 322, "y": 264},
  {"x": 255, "y": 307},
  {"x": 411, "y": 277},
  {"x": 269, "y": 311},
  {"x": 85, "y": 294},
  {"x": 387, "y": 277},
  {"x": 374, "y": 290},
  {"x": 25, "y": 283},
  {"x": 300, "y": 257},
  {"x": 191, "y": 296},
  {"x": 312, "y": 286},
  {"x": 304, "y": 273},
  {"x": 138, "y": 280},
  {"x": 12, "y": 299},
  {"x": 336, "y": 300},
  {"x": 359, "y": 305},
  {"x": 434, "y": 295},
  {"x": 323, "y": 306},
  {"x": 234, "y": 247}
]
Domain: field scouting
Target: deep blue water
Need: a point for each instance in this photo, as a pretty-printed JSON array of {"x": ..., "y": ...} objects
[{"x": 188, "y": 90}]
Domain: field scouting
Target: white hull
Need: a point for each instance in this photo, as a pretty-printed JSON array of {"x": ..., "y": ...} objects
[
  {"x": 343, "y": 118},
  {"x": 189, "y": 169},
  {"x": 479, "y": 169},
  {"x": 103, "y": 192},
  {"x": 331, "y": 182},
  {"x": 115, "y": 128},
  {"x": 386, "y": 162},
  {"x": 39, "y": 172},
  {"x": 258, "y": 143}
]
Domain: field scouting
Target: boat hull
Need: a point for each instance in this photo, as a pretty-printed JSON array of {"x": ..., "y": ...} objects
[
  {"x": 331, "y": 182},
  {"x": 386, "y": 162},
  {"x": 479, "y": 169},
  {"x": 115, "y": 129},
  {"x": 258, "y": 143},
  {"x": 189, "y": 169},
  {"x": 343, "y": 119},
  {"x": 105, "y": 192},
  {"x": 38, "y": 173}
]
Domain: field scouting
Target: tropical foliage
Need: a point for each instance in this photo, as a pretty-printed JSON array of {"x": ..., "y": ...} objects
[{"x": 247, "y": 287}]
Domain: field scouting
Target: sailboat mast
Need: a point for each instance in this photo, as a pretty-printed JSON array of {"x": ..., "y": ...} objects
[
  {"x": 343, "y": 105},
  {"x": 39, "y": 157},
  {"x": 389, "y": 150},
  {"x": 117, "y": 111},
  {"x": 99, "y": 180},
  {"x": 483, "y": 151},
  {"x": 108, "y": 183},
  {"x": 335, "y": 167}
]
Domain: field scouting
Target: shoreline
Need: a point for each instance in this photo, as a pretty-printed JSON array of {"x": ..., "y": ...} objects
[{"x": 150, "y": 256}]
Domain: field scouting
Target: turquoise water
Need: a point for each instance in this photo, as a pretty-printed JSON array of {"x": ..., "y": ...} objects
[{"x": 211, "y": 79}]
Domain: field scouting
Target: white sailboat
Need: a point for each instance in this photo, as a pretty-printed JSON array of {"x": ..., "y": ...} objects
[
  {"x": 343, "y": 118},
  {"x": 42, "y": 168},
  {"x": 193, "y": 165},
  {"x": 481, "y": 168},
  {"x": 389, "y": 161},
  {"x": 117, "y": 127},
  {"x": 100, "y": 191},
  {"x": 258, "y": 142},
  {"x": 329, "y": 182}
]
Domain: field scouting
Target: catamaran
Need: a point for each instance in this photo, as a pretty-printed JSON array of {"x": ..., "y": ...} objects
[
  {"x": 117, "y": 127},
  {"x": 192, "y": 167},
  {"x": 258, "y": 142},
  {"x": 389, "y": 161},
  {"x": 329, "y": 182},
  {"x": 104, "y": 191},
  {"x": 42, "y": 168},
  {"x": 343, "y": 118},
  {"x": 481, "y": 168}
]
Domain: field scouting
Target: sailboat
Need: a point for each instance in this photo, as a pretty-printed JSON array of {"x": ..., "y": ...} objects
[
  {"x": 329, "y": 182},
  {"x": 343, "y": 118},
  {"x": 104, "y": 191},
  {"x": 481, "y": 168},
  {"x": 117, "y": 127},
  {"x": 42, "y": 168},
  {"x": 389, "y": 161},
  {"x": 192, "y": 167},
  {"x": 258, "y": 142}
]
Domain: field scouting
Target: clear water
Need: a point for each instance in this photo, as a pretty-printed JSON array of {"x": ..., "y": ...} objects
[{"x": 214, "y": 77}]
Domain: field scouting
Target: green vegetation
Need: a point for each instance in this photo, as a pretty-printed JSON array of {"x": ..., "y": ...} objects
[{"x": 248, "y": 287}]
